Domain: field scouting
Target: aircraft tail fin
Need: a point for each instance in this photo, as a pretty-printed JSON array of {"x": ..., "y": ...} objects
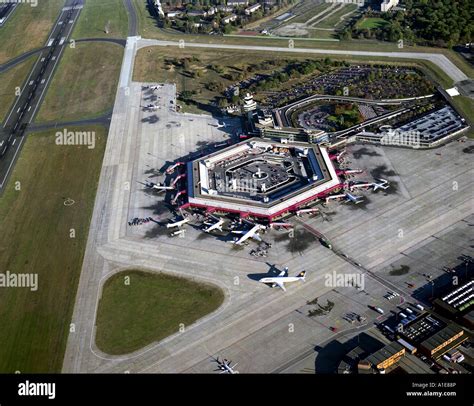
[{"x": 302, "y": 275}]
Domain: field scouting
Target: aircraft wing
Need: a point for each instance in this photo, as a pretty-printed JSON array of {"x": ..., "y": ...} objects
[{"x": 280, "y": 285}]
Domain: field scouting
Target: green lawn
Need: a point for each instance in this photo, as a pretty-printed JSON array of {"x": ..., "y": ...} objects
[
  {"x": 97, "y": 15},
  {"x": 28, "y": 28},
  {"x": 335, "y": 19},
  {"x": 149, "y": 308},
  {"x": 9, "y": 81},
  {"x": 315, "y": 33},
  {"x": 85, "y": 83},
  {"x": 318, "y": 8},
  {"x": 371, "y": 23},
  {"x": 35, "y": 238},
  {"x": 466, "y": 107},
  {"x": 151, "y": 66}
]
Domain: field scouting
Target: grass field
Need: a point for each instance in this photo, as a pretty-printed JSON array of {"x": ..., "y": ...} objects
[
  {"x": 151, "y": 65},
  {"x": 316, "y": 9},
  {"x": 371, "y": 23},
  {"x": 321, "y": 34},
  {"x": 35, "y": 238},
  {"x": 149, "y": 308},
  {"x": 28, "y": 28},
  {"x": 9, "y": 80},
  {"x": 335, "y": 19},
  {"x": 466, "y": 107},
  {"x": 85, "y": 83},
  {"x": 97, "y": 15}
]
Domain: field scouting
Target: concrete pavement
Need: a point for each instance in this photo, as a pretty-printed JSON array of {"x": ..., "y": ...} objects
[{"x": 261, "y": 328}]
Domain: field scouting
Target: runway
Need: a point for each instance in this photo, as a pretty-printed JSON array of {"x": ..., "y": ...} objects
[
  {"x": 32, "y": 92},
  {"x": 438, "y": 59}
]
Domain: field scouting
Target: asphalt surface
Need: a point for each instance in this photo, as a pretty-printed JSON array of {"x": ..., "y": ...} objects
[
  {"x": 6, "y": 10},
  {"x": 27, "y": 103},
  {"x": 132, "y": 18},
  {"x": 117, "y": 41},
  {"x": 19, "y": 59},
  {"x": 102, "y": 120}
]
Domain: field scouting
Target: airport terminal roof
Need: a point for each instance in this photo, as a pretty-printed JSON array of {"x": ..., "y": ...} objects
[{"x": 260, "y": 177}]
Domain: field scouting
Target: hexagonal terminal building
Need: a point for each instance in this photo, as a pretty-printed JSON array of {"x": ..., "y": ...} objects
[{"x": 261, "y": 178}]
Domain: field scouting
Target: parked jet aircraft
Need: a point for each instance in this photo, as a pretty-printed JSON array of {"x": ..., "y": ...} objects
[
  {"x": 225, "y": 366},
  {"x": 283, "y": 278},
  {"x": 177, "y": 223},
  {"x": 213, "y": 226},
  {"x": 252, "y": 233},
  {"x": 382, "y": 184}
]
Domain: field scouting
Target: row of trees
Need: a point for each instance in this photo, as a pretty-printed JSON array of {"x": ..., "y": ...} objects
[
  {"x": 296, "y": 70},
  {"x": 440, "y": 23}
]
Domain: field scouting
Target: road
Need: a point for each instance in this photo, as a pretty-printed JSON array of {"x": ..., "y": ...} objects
[
  {"x": 33, "y": 90},
  {"x": 132, "y": 18},
  {"x": 19, "y": 59},
  {"x": 6, "y": 10},
  {"x": 438, "y": 59}
]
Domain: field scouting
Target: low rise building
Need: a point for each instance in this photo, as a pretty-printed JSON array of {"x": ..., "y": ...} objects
[
  {"x": 386, "y": 357},
  {"x": 386, "y": 5},
  {"x": 237, "y": 3},
  {"x": 252, "y": 9},
  {"x": 229, "y": 19}
]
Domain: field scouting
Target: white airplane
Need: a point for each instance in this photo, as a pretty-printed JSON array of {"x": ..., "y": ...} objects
[
  {"x": 177, "y": 223},
  {"x": 354, "y": 199},
  {"x": 158, "y": 186},
  {"x": 213, "y": 226},
  {"x": 178, "y": 232},
  {"x": 282, "y": 278},
  {"x": 225, "y": 366},
  {"x": 383, "y": 184},
  {"x": 252, "y": 233}
]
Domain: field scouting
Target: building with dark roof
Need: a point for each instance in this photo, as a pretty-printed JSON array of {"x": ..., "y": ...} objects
[
  {"x": 444, "y": 340},
  {"x": 387, "y": 356}
]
